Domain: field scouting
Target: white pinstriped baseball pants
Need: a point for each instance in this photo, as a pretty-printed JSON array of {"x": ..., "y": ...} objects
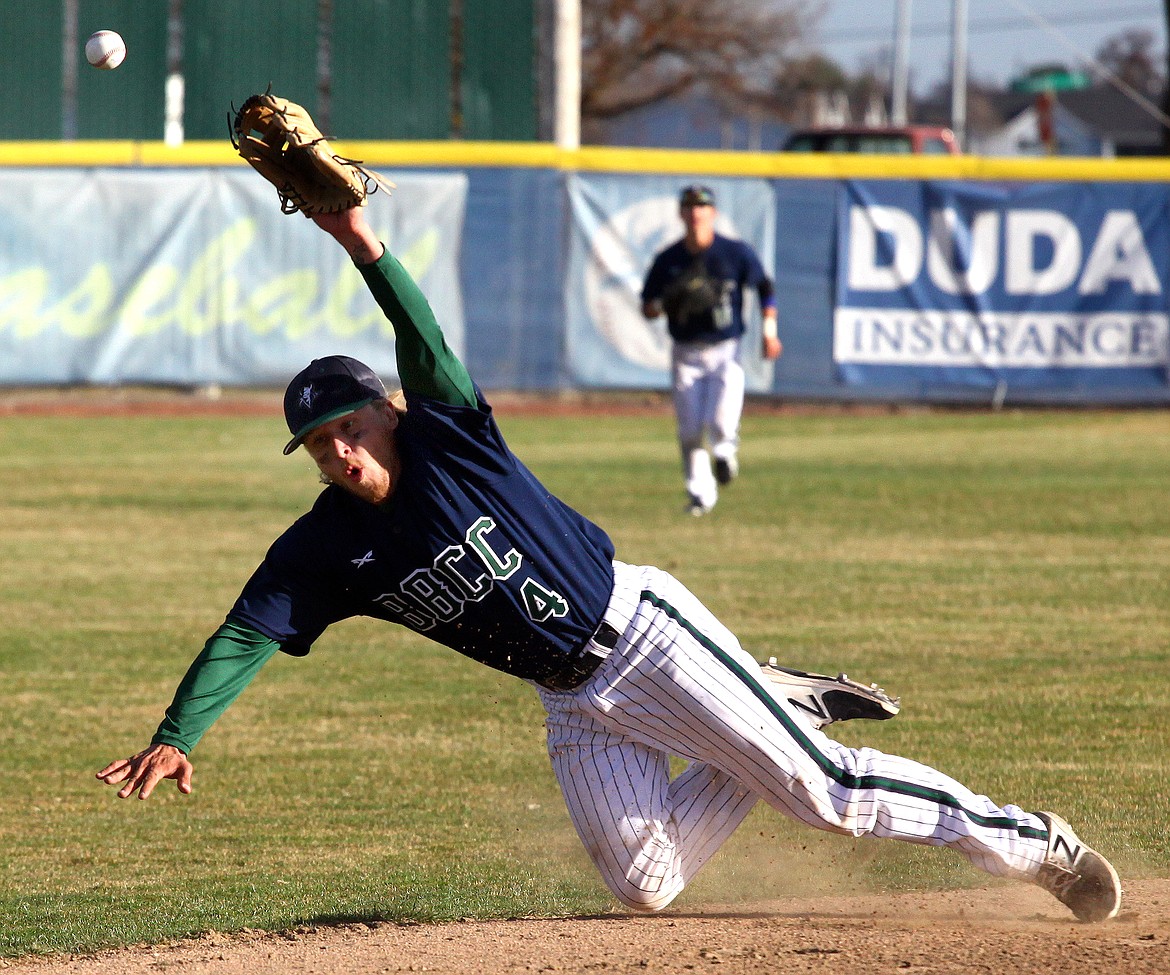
[{"x": 678, "y": 683}]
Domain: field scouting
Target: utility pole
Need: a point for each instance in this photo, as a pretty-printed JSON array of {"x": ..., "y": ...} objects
[
  {"x": 901, "y": 78},
  {"x": 959, "y": 72}
]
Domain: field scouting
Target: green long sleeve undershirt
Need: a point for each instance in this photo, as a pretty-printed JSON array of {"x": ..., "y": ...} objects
[
  {"x": 425, "y": 364},
  {"x": 227, "y": 664},
  {"x": 234, "y": 654}
]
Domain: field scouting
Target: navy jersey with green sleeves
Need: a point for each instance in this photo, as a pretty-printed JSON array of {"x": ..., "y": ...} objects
[
  {"x": 732, "y": 263},
  {"x": 471, "y": 551}
]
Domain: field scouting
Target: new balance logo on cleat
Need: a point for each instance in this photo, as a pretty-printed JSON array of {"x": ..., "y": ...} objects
[
  {"x": 811, "y": 708},
  {"x": 1077, "y": 875},
  {"x": 821, "y": 699}
]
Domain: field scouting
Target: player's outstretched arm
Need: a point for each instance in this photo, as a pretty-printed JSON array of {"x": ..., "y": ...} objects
[
  {"x": 426, "y": 365},
  {"x": 147, "y": 769}
]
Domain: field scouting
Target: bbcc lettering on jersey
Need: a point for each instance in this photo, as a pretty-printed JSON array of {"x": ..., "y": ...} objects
[{"x": 463, "y": 573}]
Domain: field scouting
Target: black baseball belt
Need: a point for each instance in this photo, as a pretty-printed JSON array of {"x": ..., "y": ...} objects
[{"x": 584, "y": 663}]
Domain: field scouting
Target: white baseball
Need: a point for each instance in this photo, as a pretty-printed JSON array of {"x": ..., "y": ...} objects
[{"x": 105, "y": 49}]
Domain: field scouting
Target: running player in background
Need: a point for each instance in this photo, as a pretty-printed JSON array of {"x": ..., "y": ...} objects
[
  {"x": 699, "y": 282},
  {"x": 431, "y": 522}
]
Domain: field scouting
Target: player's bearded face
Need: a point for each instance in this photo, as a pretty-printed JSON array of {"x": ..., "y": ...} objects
[{"x": 358, "y": 452}]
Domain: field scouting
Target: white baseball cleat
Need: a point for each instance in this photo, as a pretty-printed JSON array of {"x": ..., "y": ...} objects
[
  {"x": 1077, "y": 875},
  {"x": 696, "y": 507},
  {"x": 821, "y": 699}
]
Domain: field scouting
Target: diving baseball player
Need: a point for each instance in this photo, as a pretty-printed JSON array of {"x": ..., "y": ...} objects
[
  {"x": 699, "y": 283},
  {"x": 429, "y": 521}
]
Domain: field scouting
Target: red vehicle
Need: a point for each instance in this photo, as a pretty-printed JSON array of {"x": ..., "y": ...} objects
[{"x": 931, "y": 140}]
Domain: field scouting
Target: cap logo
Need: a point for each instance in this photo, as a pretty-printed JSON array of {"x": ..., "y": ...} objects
[
  {"x": 696, "y": 195},
  {"x": 324, "y": 390}
]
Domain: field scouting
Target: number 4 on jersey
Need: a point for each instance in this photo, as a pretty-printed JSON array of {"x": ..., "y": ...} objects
[{"x": 542, "y": 604}]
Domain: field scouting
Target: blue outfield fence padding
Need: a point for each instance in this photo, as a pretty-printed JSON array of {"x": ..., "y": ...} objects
[{"x": 947, "y": 280}]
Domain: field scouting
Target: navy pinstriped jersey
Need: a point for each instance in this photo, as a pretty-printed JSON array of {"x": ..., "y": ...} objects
[{"x": 471, "y": 551}]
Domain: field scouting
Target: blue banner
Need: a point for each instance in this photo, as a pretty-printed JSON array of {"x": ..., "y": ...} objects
[{"x": 1051, "y": 285}]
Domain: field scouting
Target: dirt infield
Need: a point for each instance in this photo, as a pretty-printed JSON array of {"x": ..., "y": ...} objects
[
  {"x": 136, "y": 400},
  {"x": 1003, "y": 930}
]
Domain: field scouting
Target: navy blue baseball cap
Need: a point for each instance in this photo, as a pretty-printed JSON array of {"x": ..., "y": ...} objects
[
  {"x": 324, "y": 390},
  {"x": 696, "y": 196}
]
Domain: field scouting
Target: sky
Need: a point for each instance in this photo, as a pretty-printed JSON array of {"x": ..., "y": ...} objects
[{"x": 1003, "y": 38}]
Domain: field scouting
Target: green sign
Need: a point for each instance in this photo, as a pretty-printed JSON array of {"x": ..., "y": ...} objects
[{"x": 1051, "y": 81}]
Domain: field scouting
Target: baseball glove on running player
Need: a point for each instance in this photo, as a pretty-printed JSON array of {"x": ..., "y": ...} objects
[
  {"x": 692, "y": 294},
  {"x": 279, "y": 140},
  {"x": 689, "y": 298}
]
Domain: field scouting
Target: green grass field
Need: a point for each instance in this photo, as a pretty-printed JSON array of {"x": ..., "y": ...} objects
[{"x": 1008, "y": 574}]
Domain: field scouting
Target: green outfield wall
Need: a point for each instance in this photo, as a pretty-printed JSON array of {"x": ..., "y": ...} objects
[{"x": 374, "y": 69}]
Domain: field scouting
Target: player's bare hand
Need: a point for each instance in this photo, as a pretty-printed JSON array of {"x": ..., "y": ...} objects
[
  {"x": 147, "y": 769},
  {"x": 772, "y": 347}
]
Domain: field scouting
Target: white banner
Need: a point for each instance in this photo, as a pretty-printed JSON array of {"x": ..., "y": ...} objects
[
  {"x": 618, "y": 225},
  {"x": 194, "y": 276}
]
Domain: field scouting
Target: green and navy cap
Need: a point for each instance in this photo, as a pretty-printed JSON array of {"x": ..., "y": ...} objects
[
  {"x": 324, "y": 390},
  {"x": 696, "y": 196}
]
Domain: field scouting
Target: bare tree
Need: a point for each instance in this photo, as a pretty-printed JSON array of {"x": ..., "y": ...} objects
[
  {"x": 814, "y": 71},
  {"x": 638, "y": 52},
  {"x": 1130, "y": 56}
]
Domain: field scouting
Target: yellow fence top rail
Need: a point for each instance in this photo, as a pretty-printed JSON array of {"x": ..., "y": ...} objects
[{"x": 463, "y": 155}]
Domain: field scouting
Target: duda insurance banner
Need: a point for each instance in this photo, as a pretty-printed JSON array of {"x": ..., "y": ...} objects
[{"x": 1035, "y": 285}]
